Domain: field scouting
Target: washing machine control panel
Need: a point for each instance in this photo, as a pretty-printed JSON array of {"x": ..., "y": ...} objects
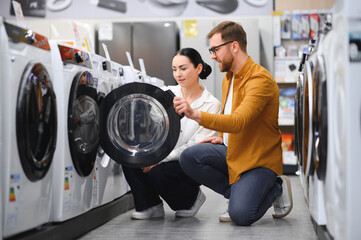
[
  {"x": 74, "y": 56},
  {"x": 18, "y": 34}
]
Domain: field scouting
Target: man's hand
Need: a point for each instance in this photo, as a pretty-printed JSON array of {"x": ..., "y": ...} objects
[
  {"x": 181, "y": 106},
  {"x": 214, "y": 140}
]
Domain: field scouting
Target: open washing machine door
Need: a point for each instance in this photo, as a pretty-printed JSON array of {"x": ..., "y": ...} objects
[
  {"x": 138, "y": 124},
  {"x": 36, "y": 121}
]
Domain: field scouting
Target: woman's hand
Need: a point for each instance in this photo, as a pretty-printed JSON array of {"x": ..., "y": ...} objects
[
  {"x": 214, "y": 140},
  {"x": 147, "y": 169},
  {"x": 181, "y": 106}
]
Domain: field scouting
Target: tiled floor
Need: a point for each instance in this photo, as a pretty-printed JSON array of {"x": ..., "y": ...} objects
[{"x": 205, "y": 225}]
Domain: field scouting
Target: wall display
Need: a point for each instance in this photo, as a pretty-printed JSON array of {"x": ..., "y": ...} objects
[
  {"x": 137, "y": 8},
  {"x": 31, "y": 8}
]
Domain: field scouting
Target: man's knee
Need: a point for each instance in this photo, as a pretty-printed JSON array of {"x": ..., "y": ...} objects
[
  {"x": 242, "y": 215},
  {"x": 186, "y": 157}
]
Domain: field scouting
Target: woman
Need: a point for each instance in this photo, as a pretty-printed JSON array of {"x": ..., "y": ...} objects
[{"x": 167, "y": 180}]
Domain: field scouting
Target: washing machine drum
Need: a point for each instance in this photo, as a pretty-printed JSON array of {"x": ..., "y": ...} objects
[
  {"x": 138, "y": 124},
  {"x": 36, "y": 121}
]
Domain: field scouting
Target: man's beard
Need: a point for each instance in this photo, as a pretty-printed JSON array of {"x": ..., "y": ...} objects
[{"x": 225, "y": 65}]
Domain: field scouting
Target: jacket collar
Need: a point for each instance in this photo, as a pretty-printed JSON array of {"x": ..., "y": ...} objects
[{"x": 242, "y": 72}]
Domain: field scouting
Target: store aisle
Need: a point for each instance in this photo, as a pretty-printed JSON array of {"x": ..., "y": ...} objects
[{"x": 205, "y": 225}]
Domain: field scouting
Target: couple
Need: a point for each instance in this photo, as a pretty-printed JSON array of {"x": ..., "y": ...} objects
[{"x": 243, "y": 162}]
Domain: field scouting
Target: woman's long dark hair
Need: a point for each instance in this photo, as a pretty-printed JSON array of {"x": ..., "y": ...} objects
[{"x": 196, "y": 59}]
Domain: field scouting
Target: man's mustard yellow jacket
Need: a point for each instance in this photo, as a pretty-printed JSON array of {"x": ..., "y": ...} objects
[{"x": 254, "y": 137}]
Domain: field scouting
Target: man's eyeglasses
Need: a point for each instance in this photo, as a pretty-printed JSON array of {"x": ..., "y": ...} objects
[{"x": 213, "y": 50}]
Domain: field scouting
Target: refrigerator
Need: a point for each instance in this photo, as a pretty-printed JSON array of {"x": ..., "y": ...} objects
[{"x": 154, "y": 42}]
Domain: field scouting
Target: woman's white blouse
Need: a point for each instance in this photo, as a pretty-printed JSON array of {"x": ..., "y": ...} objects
[{"x": 191, "y": 132}]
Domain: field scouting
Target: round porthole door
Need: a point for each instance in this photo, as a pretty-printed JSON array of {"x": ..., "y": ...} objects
[
  {"x": 138, "y": 124},
  {"x": 320, "y": 118},
  {"x": 307, "y": 120},
  {"x": 83, "y": 123},
  {"x": 36, "y": 121}
]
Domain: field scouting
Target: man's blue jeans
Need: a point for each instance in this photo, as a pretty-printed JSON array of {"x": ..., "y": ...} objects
[{"x": 249, "y": 198}]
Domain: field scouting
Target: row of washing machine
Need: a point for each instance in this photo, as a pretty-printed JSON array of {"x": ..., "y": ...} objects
[
  {"x": 52, "y": 165},
  {"x": 328, "y": 122}
]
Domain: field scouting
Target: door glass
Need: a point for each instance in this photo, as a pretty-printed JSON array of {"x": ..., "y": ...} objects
[
  {"x": 36, "y": 121},
  {"x": 41, "y": 115},
  {"x": 138, "y": 123},
  {"x": 85, "y": 115}
]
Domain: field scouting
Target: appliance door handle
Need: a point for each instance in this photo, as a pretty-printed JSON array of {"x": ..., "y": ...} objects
[{"x": 173, "y": 95}]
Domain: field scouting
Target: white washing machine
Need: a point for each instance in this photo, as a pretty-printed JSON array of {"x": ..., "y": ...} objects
[
  {"x": 339, "y": 171},
  {"x": 325, "y": 150},
  {"x": 353, "y": 108},
  {"x": 29, "y": 127},
  {"x": 78, "y": 137},
  {"x": 304, "y": 86},
  {"x": 1, "y": 134},
  {"x": 319, "y": 128},
  {"x": 342, "y": 175},
  {"x": 103, "y": 179}
]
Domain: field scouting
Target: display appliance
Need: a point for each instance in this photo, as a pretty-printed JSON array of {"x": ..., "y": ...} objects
[
  {"x": 29, "y": 125},
  {"x": 78, "y": 137}
]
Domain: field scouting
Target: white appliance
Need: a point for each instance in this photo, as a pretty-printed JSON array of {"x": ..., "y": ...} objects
[
  {"x": 327, "y": 167},
  {"x": 342, "y": 176},
  {"x": 1, "y": 135},
  {"x": 30, "y": 129},
  {"x": 78, "y": 136},
  {"x": 103, "y": 179},
  {"x": 304, "y": 100},
  {"x": 318, "y": 120}
]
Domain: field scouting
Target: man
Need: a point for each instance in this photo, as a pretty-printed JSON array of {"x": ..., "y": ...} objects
[{"x": 243, "y": 161}]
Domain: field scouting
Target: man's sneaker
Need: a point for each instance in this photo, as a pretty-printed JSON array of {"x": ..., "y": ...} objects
[
  {"x": 284, "y": 203},
  {"x": 152, "y": 212},
  {"x": 224, "y": 217},
  {"x": 201, "y": 198}
]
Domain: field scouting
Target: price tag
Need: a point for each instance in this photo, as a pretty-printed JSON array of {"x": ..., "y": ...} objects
[
  {"x": 19, "y": 14},
  {"x": 76, "y": 34},
  {"x": 106, "y": 52}
]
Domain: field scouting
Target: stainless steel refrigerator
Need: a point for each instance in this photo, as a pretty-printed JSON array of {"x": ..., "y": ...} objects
[{"x": 154, "y": 42}]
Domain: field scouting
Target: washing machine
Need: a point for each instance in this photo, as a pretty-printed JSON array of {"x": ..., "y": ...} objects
[
  {"x": 103, "y": 179},
  {"x": 353, "y": 124},
  {"x": 317, "y": 154},
  {"x": 327, "y": 65},
  {"x": 78, "y": 137},
  {"x": 29, "y": 125},
  {"x": 1, "y": 134},
  {"x": 341, "y": 180},
  {"x": 303, "y": 90}
]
